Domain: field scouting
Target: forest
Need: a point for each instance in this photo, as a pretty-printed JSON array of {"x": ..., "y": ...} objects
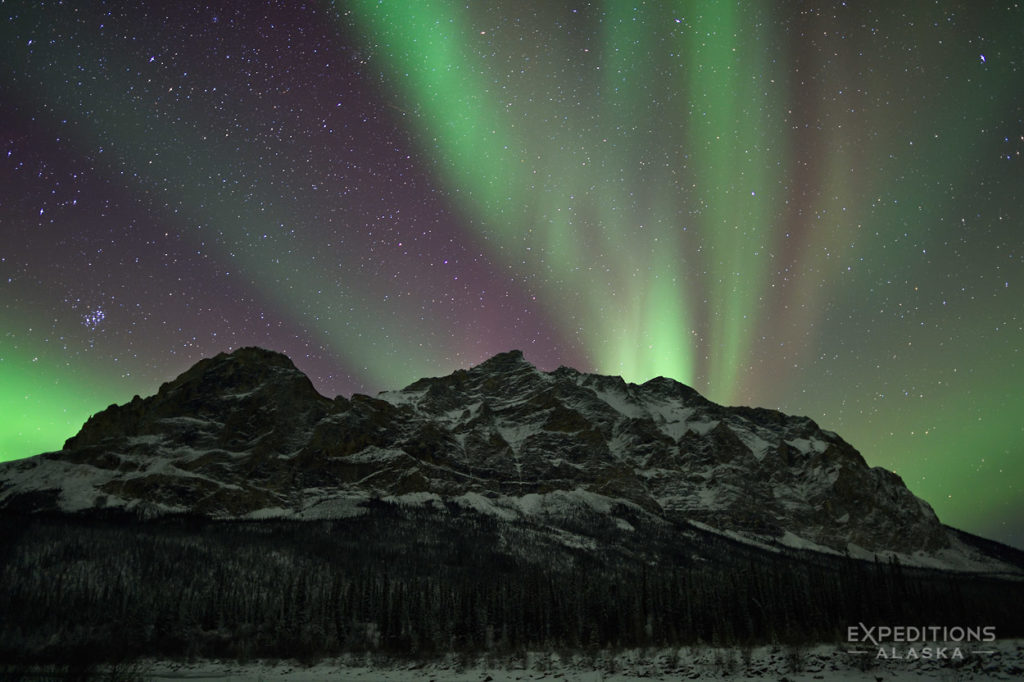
[{"x": 419, "y": 582}]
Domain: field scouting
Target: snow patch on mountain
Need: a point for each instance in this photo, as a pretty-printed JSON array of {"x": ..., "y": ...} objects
[
  {"x": 757, "y": 445},
  {"x": 808, "y": 446},
  {"x": 620, "y": 402},
  {"x": 486, "y": 505},
  {"x": 328, "y": 504}
]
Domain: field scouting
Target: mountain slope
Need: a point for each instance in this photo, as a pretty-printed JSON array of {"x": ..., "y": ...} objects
[{"x": 245, "y": 435}]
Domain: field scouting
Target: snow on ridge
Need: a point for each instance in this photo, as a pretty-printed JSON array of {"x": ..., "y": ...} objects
[
  {"x": 241, "y": 396},
  {"x": 670, "y": 409},
  {"x": 559, "y": 502},
  {"x": 415, "y": 499},
  {"x": 958, "y": 557},
  {"x": 76, "y": 484},
  {"x": 757, "y": 541},
  {"x": 619, "y": 446},
  {"x": 458, "y": 415},
  {"x": 402, "y": 397},
  {"x": 269, "y": 513},
  {"x": 183, "y": 420},
  {"x": 515, "y": 434},
  {"x": 673, "y": 418},
  {"x": 757, "y": 445},
  {"x": 182, "y": 473},
  {"x": 808, "y": 445},
  {"x": 709, "y": 498},
  {"x": 374, "y": 453},
  {"x": 677, "y": 428},
  {"x": 623, "y": 524},
  {"x": 702, "y": 428},
  {"x": 333, "y": 504},
  {"x": 790, "y": 539},
  {"x": 620, "y": 403},
  {"x": 502, "y": 507}
]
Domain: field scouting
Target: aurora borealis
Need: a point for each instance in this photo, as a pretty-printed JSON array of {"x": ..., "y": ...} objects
[{"x": 813, "y": 208}]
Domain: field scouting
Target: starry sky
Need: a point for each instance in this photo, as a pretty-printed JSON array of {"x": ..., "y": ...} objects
[{"x": 813, "y": 207}]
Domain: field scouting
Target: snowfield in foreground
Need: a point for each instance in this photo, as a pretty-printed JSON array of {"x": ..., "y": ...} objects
[{"x": 1001, "y": 660}]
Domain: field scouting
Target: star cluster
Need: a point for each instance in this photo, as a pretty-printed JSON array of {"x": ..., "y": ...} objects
[{"x": 815, "y": 208}]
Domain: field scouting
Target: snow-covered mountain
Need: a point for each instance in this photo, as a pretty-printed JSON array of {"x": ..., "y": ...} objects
[{"x": 245, "y": 435}]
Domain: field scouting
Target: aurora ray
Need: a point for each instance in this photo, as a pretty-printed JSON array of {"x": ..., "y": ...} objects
[{"x": 812, "y": 209}]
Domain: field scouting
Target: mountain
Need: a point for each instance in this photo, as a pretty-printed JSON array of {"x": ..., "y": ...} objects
[
  {"x": 238, "y": 514},
  {"x": 246, "y": 436}
]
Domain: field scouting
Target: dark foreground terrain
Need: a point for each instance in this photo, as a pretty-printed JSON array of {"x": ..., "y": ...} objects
[{"x": 423, "y": 581}]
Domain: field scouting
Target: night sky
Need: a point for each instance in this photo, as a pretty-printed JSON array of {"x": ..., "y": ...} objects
[{"x": 813, "y": 207}]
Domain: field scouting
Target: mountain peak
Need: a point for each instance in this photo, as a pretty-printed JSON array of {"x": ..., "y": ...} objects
[
  {"x": 512, "y": 359},
  {"x": 257, "y": 355},
  {"x": 230, "y": 401},
  {"x": 241, "y": 370}
]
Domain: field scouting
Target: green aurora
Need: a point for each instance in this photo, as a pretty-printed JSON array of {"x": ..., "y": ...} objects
[{"x": 811, "y": 210}]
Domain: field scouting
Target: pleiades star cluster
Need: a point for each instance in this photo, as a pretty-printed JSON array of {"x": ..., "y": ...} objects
[{"x": 813, "y": 207}]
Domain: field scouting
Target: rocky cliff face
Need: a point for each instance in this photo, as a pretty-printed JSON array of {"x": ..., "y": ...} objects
[{"x": 246, "y": 435}]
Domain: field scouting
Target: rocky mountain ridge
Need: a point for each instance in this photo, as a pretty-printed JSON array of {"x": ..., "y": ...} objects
[{"x": 246, "y": 435}]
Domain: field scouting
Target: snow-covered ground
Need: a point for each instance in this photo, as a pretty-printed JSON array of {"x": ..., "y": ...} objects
[{"x": 1003, "y": 660}]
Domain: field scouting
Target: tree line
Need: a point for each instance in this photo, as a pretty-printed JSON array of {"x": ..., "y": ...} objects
[{"x": 421, "y": 582}]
